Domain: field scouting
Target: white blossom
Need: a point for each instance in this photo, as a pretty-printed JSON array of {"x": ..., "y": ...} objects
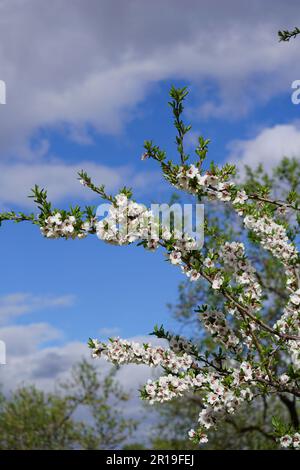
[
  {"x": 285, "y": 441},
  {"x": 175, "y": 257},
  {"x": 218, "y": 281},
  {"x": 241, "y": 197}
]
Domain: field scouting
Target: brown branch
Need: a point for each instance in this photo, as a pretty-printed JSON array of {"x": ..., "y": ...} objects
[
  {"x": 274, "y": 202},
  {"x": 291, "y": 406},
  {"x": 252, "y": 428}
]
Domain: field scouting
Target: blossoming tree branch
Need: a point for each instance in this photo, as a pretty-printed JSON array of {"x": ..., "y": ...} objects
[{"x": 253, "y": 356}]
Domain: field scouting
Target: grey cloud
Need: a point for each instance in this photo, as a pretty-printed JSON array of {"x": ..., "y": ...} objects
[
  {"x": 51, "y": 365},
  {"x": 21, "y": 303},
  {"x": 94, "y": 62}
]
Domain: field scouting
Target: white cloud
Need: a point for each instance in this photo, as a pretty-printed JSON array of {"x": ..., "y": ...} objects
[
  {"x": 69, "y": 68},
  {"x": 268, "y": 147},
  {"x": 61, "y": 180},
  {"x": 22, "y": 303},
  {"x": 24, "y": 340},
  {"x": 106, "y": 332}
]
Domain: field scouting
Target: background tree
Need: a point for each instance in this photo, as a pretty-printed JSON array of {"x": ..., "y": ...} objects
[{"x": 33, "y": 419}]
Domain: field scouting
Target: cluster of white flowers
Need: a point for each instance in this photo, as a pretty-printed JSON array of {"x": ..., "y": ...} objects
[
  {"x": 127, "y": 222},
  {"x": 215, "y": 322},
  {"x": 290, "y": 440},
  {"x": 184, "y": 376},
  {"x": 293, "y": 348},
  {"x": 198, "y": 436},
  {"x": 183, "y": 242},
  {"x": 171, "y": 386},
  {"x": 273, "y": 238},
  {"x": 175, "y": 257},
  {"x": 242, "y": 271},
  {"x": 289, "y": 323},
  {"x": 183, "y": 245},
  {"x": 178, "y": 343},
  {"x": 245, "y": 373},
  {"x": 240, "y": 198},
  {"x": 192, "y": 274},
  {"x": 222, "y": 399},
  {"x": 218, "y": 396},
  {"x": 217, "y": 404},
  {"x": 121, "y": 351},
  {"x": 57, "y": 227},
  {"x": 191, "y": 180}
]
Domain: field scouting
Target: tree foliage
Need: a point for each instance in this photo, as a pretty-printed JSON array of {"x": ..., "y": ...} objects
[{"x": 33, "y": 419}]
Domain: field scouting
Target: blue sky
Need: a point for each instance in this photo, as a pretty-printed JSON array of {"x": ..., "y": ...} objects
[{"x": 84, "y": 90}]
